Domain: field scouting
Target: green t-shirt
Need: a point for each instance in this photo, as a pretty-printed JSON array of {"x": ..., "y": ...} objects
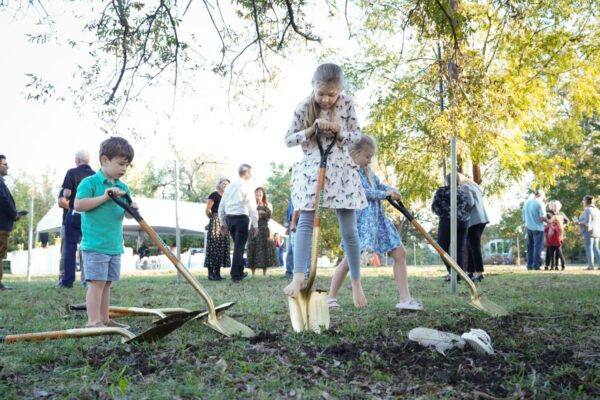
[{"x": 101, "y": 227}]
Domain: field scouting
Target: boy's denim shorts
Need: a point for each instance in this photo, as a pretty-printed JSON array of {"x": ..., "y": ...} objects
[{"x": 101, "y": 267}]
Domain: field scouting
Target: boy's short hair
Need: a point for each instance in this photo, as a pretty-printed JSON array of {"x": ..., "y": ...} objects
[{"x": 116, "y": 147}]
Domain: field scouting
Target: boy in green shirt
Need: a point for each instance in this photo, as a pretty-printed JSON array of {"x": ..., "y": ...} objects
[{"x": 102, "y": 227}]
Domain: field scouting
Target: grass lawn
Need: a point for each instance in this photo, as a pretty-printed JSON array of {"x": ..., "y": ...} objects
[{"x": 547, "y": 348}]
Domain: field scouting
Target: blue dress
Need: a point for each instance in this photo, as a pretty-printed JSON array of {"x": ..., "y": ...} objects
[{"x": 376, "y": 232}]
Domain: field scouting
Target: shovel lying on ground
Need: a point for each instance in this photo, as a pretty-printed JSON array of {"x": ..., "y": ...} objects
[
  {"x": 124, "y": 312},
  {"x": 149, "y": 336},
  {"x": 309, "y": 310},
  {"x": 215, "y": 317},
  {"x": 477, "y": 300}
]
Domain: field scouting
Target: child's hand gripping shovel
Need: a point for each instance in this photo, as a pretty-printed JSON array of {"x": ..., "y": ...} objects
[
  {"x": 309, "y": 310},
  {"x": 214, "y": 317},
  {"x": 477, "y": 300}
]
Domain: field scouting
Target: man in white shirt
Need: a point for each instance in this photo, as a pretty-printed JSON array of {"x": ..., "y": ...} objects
[{"x": 236, "y": 210}]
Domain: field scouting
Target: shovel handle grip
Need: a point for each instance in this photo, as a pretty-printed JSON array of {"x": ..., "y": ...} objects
[
  {"x": 127, "y": 207},
  {"x": 324, "y": 152}
]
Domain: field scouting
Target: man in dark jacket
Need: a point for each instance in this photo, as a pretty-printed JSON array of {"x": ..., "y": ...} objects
[
  {"x": 8, "y": 215},
  {"x": 73, "y": 219}
]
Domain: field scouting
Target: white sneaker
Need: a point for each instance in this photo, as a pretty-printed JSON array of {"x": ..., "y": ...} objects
[
  {"x": 440, "y": 341},
  {"x": 410, "y": 304},
  {"x": 479, "y": 340}
]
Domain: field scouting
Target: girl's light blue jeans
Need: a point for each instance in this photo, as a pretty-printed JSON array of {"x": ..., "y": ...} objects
[{"x": 348, "y": 230}]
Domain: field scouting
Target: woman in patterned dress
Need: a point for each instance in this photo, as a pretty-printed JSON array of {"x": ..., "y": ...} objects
[
  {"x": 262, "y": 252},
  {"x": 334, "y": 114},
  {"x": 376, "y": 232},
  {"x": 217, "y": 245}
]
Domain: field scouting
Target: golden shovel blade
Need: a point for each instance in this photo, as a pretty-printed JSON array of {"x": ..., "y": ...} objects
[
  {"x": 309, "y": 311},
  {"x": 225, "y": 324}
]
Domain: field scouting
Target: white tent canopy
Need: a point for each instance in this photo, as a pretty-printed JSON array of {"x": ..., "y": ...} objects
[{"x": 159, "y": 214}]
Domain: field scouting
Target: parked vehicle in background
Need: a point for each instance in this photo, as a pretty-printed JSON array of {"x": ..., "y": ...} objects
[{"x": 498, "y": 251}]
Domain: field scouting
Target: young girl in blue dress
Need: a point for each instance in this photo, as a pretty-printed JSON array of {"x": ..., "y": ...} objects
[{"x": 376, "y": 232}]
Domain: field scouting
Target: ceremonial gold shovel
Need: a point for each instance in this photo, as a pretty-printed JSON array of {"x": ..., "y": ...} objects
[
  {"x": 215, "y": 317},
  {"x": 309, "y": 310}
]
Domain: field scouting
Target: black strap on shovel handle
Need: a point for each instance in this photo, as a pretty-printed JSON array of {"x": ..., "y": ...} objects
[
  {"x": 127, "y": 207},
  {"x": 327, "y": 151},
  {"x": 400, "y": 207}
]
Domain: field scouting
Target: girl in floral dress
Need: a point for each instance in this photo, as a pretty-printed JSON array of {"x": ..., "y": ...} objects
[
  {"x": 334, "y": 114},
  {"x": 376, "y": 232}
]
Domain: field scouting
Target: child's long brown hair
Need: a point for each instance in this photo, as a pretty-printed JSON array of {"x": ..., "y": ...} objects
[{"x": 326, "y": 74}]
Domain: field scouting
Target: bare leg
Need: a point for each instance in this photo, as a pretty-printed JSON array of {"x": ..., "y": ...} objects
[
  {"x": 338, "y": 278},
  {"x": 93, "y": 301},
  {"x": 105, "y": 304},
  {"x": 400, "y": 274},
  {"x": 295, "y": 285}
]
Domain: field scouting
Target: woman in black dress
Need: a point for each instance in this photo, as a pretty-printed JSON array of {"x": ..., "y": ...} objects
[
  {"x": 217, "y": 245},
  {"x": 262, "y": 252}
]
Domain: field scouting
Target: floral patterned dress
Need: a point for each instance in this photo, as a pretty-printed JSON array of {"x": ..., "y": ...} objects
[
  {"x": 376, "y": 232},
  {"x": 262, "y": 252},
  {"x": 342, "y": 184},
  {"x": 217, "y": 245}
]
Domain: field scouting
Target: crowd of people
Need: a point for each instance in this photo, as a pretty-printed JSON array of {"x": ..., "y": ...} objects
[
  {"x": 548, "y": 226},
  {"x": 240, "y": 212}
]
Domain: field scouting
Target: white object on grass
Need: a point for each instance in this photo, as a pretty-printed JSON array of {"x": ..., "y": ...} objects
[
  {"x": 441, "y": 341},
  {"x": 479, "y": 340}
]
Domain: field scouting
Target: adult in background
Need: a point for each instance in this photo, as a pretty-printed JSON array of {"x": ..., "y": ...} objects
[
  {"x": 70, "y": 184},
  {"x": 236, "y": 210},
  {"x": 534, "y": 217},
  {"x": 64, "y": 204},
  {"x": 262, "y": 252},
  {"x": 441, "y": 207},
  {"x": 589, "y": 227},
  {"x": 478, "y": 219},
  {"x": 8, "y": 215},
  {"x": 217, "y": 244}
]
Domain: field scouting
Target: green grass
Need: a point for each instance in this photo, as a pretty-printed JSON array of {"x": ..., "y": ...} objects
[{"x": 547, "y": 348}]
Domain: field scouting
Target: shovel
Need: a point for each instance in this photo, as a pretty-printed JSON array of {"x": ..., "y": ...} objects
[
  {"x": 215, "y": 317},
  {"x": 478, "y": 301},
  {"x": 149, "y": 336},
  {"x": 124, "y": 312},
  {"x": 309, "y": 310}
]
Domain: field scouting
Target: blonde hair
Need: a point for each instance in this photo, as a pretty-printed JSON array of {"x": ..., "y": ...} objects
[
  {"x": 325, "y": 74},
  {"x": 366, "y": 142},
  {"x": 554, "y": 205}
]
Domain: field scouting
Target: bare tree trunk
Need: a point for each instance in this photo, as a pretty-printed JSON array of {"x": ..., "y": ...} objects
[{"x": 477, "y": 174}]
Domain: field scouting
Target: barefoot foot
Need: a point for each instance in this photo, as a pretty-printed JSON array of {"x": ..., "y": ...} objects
[{"x": 358, "y": 296}]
